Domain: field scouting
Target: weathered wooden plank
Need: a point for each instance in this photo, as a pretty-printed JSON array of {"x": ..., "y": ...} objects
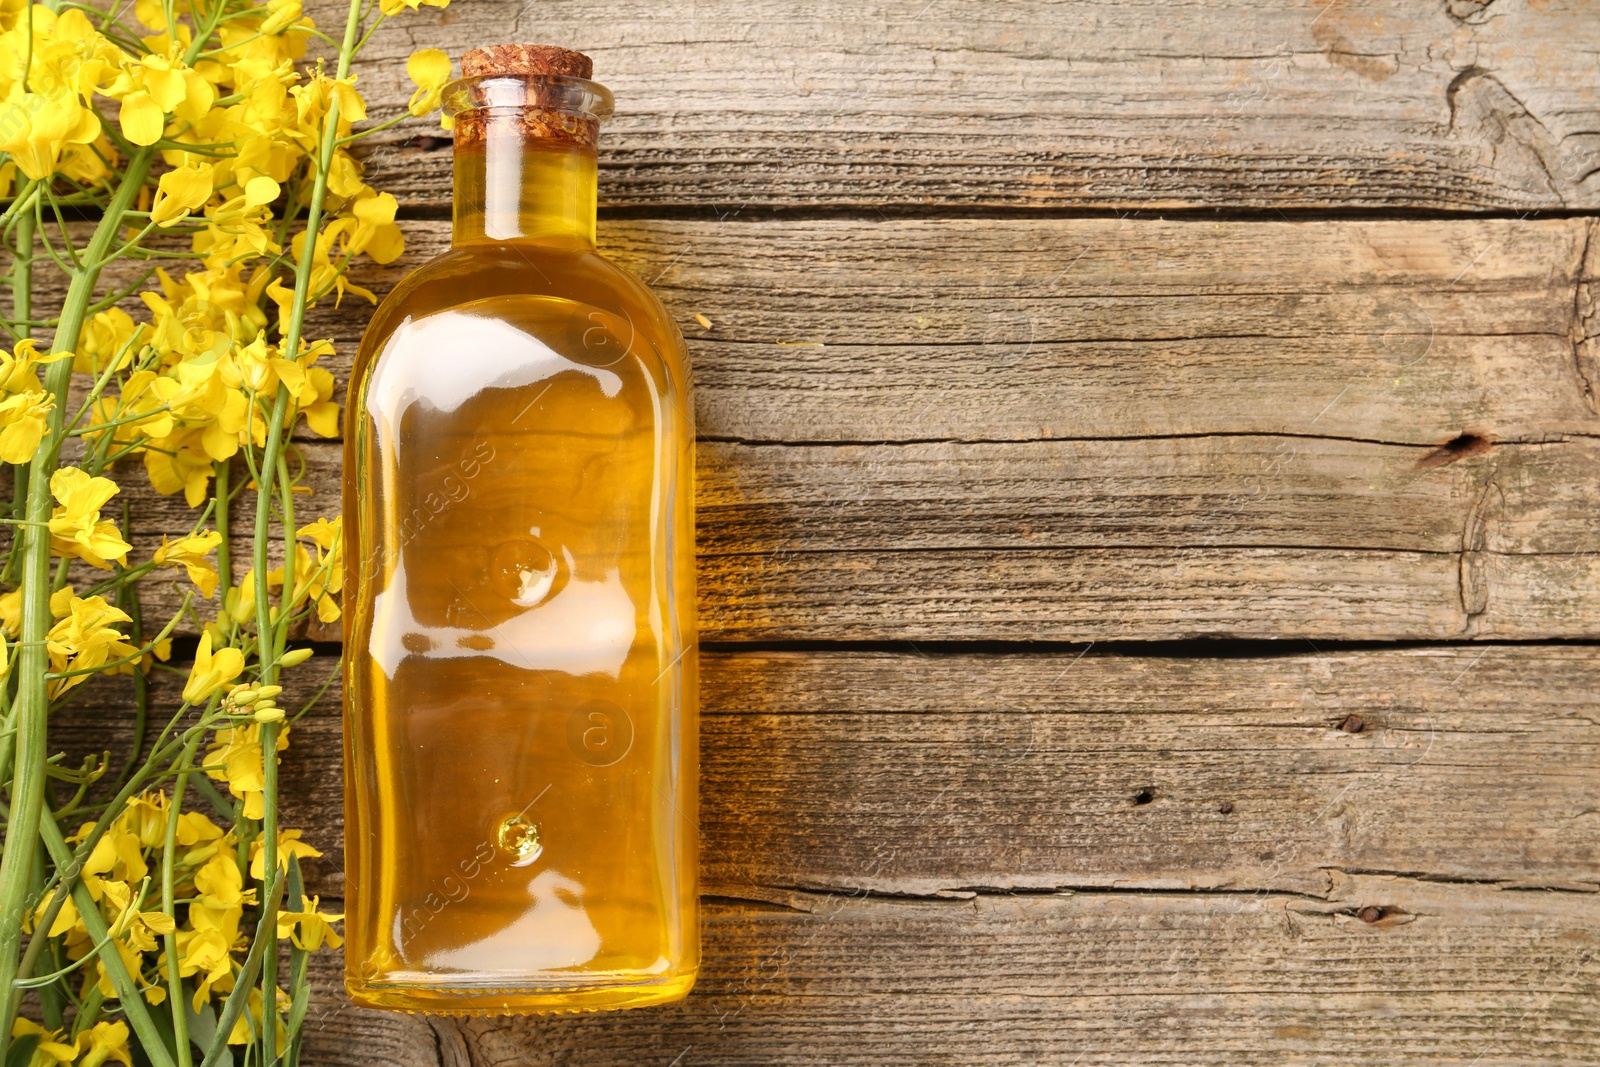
[
  {"x": 1020, "y": 330},
  {"x": 1382, "y": 970},
  {"x": 906, "y": 773},
  {"x": 1243, "y": 536},
  {"x": 1182, "y": 492},
  {"x": 1146, "y": 594},
  {"x": 1104, "y": 103},
  {"x": 1256, "y": 491},
  {"x": 1007, "y": 329}
]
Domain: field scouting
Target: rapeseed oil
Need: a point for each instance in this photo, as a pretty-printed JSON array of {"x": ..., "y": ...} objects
[{"x": 520, "y": 719}]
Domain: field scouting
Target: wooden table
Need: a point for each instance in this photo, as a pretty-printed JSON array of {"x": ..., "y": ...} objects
[{"x": 1150, "y": 503}]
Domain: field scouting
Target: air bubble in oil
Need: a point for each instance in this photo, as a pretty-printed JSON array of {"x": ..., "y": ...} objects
[{"x": 518, "y": 838}]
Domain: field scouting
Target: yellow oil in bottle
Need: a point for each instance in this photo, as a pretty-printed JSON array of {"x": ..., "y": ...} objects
[{"x": 520, "y": 720}]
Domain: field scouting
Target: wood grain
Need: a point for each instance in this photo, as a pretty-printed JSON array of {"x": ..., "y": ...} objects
[
  {"x": 917, "y": 774},
  {"x": 1095, "y": 103},
  {"x": 1381, "y": 970},
  {"x": 1239, "y": 536},
  {"x": 1011, "y": 329}
]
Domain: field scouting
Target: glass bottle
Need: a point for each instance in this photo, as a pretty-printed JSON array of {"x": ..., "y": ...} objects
[{"x": 520, "y": 716}]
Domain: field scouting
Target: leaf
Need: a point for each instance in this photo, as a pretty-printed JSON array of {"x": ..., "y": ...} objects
[
  {"x": 202, "y": 1023},
  {"x": 22, "y": 1049},
  {"x": 163, "y": 1026},
  {"x": 295, "y": 1026}
]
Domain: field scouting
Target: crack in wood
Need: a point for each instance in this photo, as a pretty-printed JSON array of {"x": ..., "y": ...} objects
[
  {"x": 1583, "y": 313},
  {"x": 1473, "y": 576}
]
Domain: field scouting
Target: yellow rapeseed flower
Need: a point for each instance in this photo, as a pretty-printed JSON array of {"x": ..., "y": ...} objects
[
  {"x": 219, "y": 884},
  {"x": 236, "y": 758},
  {"x": 316, "y": 95},
  {"x": 51, "y": 1046},
  {"x": 322, "y": 580},
  {"x": 84, "y": 637},
  {"x": 66, "y": 918},
  {"x": 104, "y": 1041},
  {"x": 146, "y": 818},
  {"x": 211, "y": 671},
  {"x": 154, "y": 86},
  {"x": 322, "y": 414},
  {"x": 289, "y": 846},
  {"x": 284, "y": 13},
  {"x": 24, "y": 418},
  {"x": 327, "y": 269},
  {"x": 115, "y": 863},
  {"x": 394, "y": 7},
  {"x": 11, "y": 12},
  {"x": 190, "y": 553},
  {"x": 139, "y": 929},
  {"x": 238, "y": 229},
  {"x": 24, "y": 405},
  {"x": 179, "y": 462},
  {"x": 181, "y": 191},
  {"x": 204, "y": 950},
  {"x": 200, "y": 838},
  {"x": 76, "y": 529},
  {"x": 309, "y": 928},
  {"x": 370, "y": 228},
  {"x": 18, "y": 368},
  {"x": 142, "y": 411},
  {"x": 429, "y": 70},
  {"x": 106, "y": 334},
  {"x": 37, "y": 128}
]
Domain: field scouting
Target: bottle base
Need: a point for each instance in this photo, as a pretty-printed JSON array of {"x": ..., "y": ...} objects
[{"x": 476, "y": 998}]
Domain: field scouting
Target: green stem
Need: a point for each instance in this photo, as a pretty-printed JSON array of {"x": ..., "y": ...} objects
[
  {"x": 224, "y": 498},
  {"x": 267, "y": 653},
  {"x": 273, "y": 645},
  {"x": 89, "y": 1013},
  {"x": 286, "y": 607},
  {"x": 22, "y": 270},
  {"x": 32, "y": 704},
  {"x": 169, "y": 907},
  {"x": 267, "y": 647},
  {"x": 128, "y": 601},
  {"x": 21, "y": 308}
]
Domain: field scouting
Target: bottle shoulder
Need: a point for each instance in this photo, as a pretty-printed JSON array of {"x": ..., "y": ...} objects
[{"x": 479, "y": 274}]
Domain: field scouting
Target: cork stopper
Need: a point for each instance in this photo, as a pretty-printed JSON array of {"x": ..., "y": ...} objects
[
  {"x": 544, "y": 111},
  {"x": 523, "y": 59}
]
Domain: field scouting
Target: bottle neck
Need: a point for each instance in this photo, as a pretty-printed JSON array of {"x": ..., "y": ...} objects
[{"x": 509, "y": 186}]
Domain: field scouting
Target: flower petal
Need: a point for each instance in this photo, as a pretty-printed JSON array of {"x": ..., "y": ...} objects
[{"x": 142, "y": 118}]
